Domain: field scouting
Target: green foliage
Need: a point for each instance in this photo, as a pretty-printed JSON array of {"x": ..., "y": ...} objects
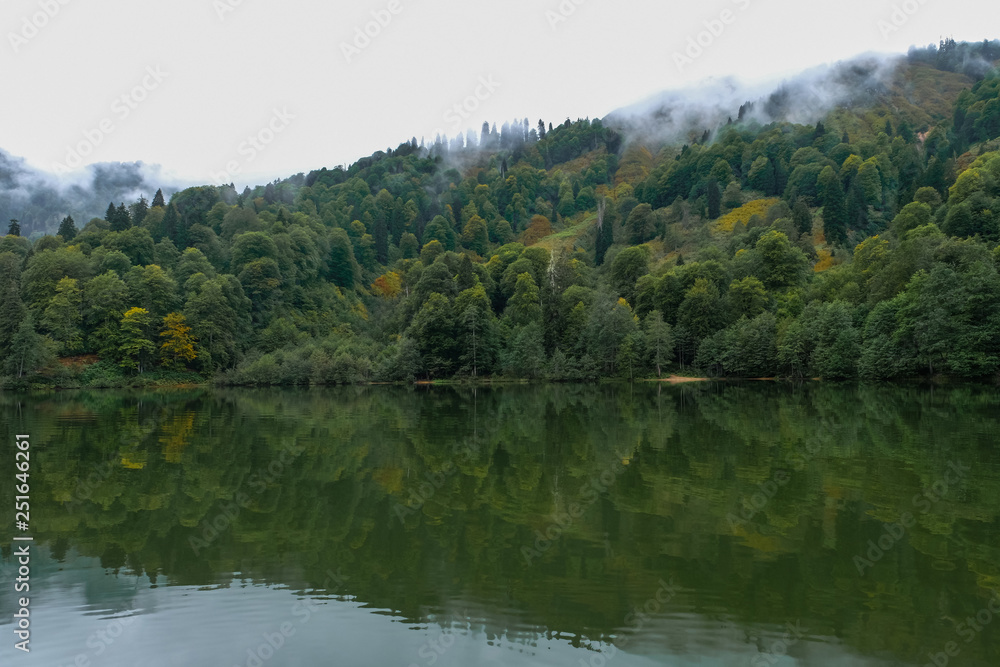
[
  {"x": 567, "y": 202},
  {"x": 761, "y": 176},
  {"x": 524, "y": 306},
  {"x": 659, "y": 341},
  {"x": 628, "y": 266},
  {"x": 915, "y": 214},
  {"x": 103, "y": 374},
  {"x": 884, "y": 357},
  {"x": 219, "y": 313},
  {"x": 12, "y": 308},
  {"x": 433, "y": 331},
  {"x": 605, "y": 233},
  {"x": 524, "y": 355},
  {"x": 440, "y": 230},
  {"x": 639, "y": 226},
  {"x": 702, "y": 312},
  {"x": 870, "y": 182},
  {"x": 748, "y": 297},
  {"x": 62, "y": 316},
  {"x": 407, "y": 257},
  {"x": 782, "y": 265},
  {"x": 610, "y": 323},
  {"x": 153, "y": 288},
  {"x": 344, "y": 270},
  {"x": 833, "y": 338},
  {"x": 747, "y": 348},
  {"x": 952, "y": 319},
  {"x": 475, "y": 236},
  {"x": 134, "y": 347},
  {"x": 105, "y": 300},
  {"x": 834, "y": 207},
  {"x": 28, "y": 350}
]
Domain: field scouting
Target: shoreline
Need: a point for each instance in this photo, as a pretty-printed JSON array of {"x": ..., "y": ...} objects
[{"x": 671, "y": 379}]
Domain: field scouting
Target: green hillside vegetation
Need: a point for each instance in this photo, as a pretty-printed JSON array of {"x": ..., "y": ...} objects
[{"x": 867, "y": 245}]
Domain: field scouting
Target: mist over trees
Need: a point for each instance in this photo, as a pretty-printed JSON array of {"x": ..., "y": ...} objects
[
  {"x": 40, "y": 201},
  {"x": 863, "y": 244}
]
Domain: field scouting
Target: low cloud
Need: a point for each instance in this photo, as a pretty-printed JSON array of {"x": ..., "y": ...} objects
[
  {"x": 681, "y": 115},
  {"x": 40, "y": 200}
]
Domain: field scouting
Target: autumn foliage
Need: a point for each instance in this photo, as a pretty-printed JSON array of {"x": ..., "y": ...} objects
[
  {"x": 539, "y": 228},
  {"x": 388, "y": 285},
  {"x": 178, "y": 348}
]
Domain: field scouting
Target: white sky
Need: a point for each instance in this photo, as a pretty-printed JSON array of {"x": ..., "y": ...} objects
[{"x": 231, "y": 64}]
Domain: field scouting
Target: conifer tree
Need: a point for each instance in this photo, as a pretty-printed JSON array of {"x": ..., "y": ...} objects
[
  {"x": 605, "y": 232},
  {"x": 834, "y": 207},
  {"x": 67, "y": 229}
]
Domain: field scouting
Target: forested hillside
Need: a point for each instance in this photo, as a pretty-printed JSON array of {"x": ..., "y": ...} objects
[{"x": 864, "y": 245}]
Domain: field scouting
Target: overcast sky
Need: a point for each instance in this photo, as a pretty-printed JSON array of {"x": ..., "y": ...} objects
[{"x": 187, "y": 83}]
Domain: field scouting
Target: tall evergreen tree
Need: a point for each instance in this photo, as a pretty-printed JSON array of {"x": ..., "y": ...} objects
[
  {"x": 525, "y": 306},
  {"x": 158, "y": 199},
  {"x": 67, "y": 229},
  {"x": 123, "y": 220},
  {"x": 344, "y": 270},
  {"x": 475, "y": 236},
  {"x": 802, "y": 217},
  {"x": 139, "y": 210},
  {"x": 820, "y": 131},
  {"x": 834, "y": 207},
  {"x": 171, "y": 223},
  {"x": 639, "y": 226},
  {"x": 605, "y": 232},
  {"x": 12, "y": 308},
  {"x": 856, "y": 212},
  {"x": 381, "y": 240},
  {"x": 714, "y": 196},
  {"x": 15, "y": 228}
]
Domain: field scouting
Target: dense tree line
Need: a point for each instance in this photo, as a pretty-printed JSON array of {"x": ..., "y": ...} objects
[{"x": 863, "y": 246}]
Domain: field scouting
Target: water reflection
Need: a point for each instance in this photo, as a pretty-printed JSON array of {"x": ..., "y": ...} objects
[{"x": 711, "y": 524}]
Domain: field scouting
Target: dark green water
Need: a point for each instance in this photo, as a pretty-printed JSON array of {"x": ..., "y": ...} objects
[{"x": 710, "y": 524}]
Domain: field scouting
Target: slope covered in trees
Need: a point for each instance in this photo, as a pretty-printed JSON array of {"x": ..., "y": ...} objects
[{"x": 864, "y": 245}]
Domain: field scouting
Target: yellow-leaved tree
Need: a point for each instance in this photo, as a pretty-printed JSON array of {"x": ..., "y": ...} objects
[
  {"x": 178, "y": 348},
  {"x": 133, "y": 346},
  {"x": 388, "y": 285}
]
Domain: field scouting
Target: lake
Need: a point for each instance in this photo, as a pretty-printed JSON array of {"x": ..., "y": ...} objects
[{"x": 700, "y": 524}]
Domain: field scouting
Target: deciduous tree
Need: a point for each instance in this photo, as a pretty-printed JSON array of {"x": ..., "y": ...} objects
[{"x": 177, "y": 349}]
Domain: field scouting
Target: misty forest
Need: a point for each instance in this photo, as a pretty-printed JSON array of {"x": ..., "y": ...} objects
[{"x": 842, "y": 228}]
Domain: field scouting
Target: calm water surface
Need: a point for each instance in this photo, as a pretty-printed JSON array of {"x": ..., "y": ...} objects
[{"x": 710, "y": 524}]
